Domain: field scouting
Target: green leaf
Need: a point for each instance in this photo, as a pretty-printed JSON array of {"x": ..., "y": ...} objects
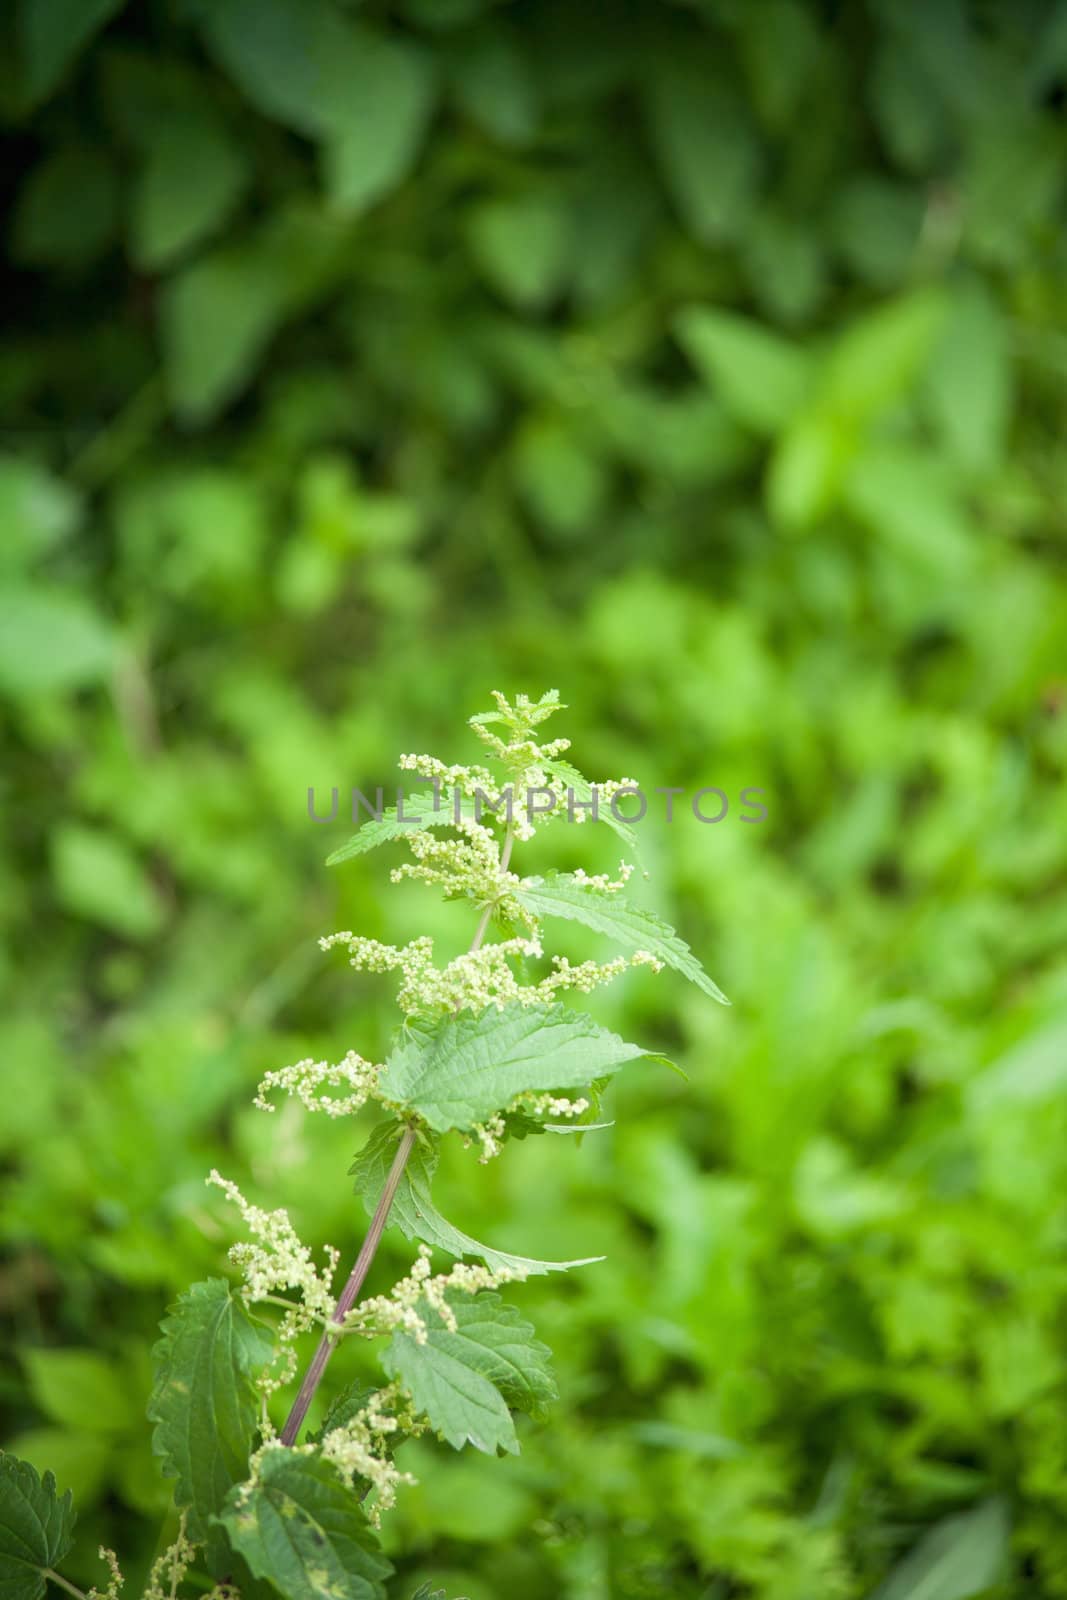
[
  {"x": 98, "y": 877},
  {"x": 1032, "y": 1073},
  {"x": 344, "y": 1406},
  {"x": 193, "y": 175},
  {"x": 204, "y": 1404},
  {"x": 37, "y": 512},
  {"x": 35, "y": 1529},
  {"x": 461, "y": 1070},
  {"x": 302, "y": 1529},
  {"x": 761, "y": 377},
  {"x": 522, "y": 247},
  {"x": 703, "y": 137},
  {"x": 560, "y": 896},
  {"x": 50, "y": 640},
  {"x": 808, "y": 468},
  {"x": 413, "y": 1209},
  {"x": 67, "y": 209},
  {"x": 583, "y": 792},
  {"x": 419, "y": 812},
  {"x": 969, "y": 384},
  {"x": 279, "y": 55},
  {"x": 879, "y": 358},
  {"x": 79, "y": 1388},
  {"x": 365, "y": 94},
  {"x": 463, "y": 1381},
  {"x": 219, "y": 314},
  {"x": 54, "y": 32},
  {"x": 495, "y": 1337},
  {"x": 389, "y": 95},
  {"x": 492, "y": 80},
  {"x": 960, "y": 1557}
]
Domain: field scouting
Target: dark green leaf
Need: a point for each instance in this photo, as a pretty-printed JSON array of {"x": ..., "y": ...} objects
[
  {"x": 35, "y": 1528},
  {"x": 413, "y": 1209},
  {"x": 464, "y": 1381},
  {"x": 300, "y": 1527},
  {"x": 463, "y": 1069},
  {"x": 205, "y": 1404},
  {"x": 54, "y": 32},
  {"x": 560, "y": 896}
]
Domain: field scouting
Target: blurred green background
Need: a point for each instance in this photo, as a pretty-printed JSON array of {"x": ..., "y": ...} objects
[{"x": 705, "y": 361}]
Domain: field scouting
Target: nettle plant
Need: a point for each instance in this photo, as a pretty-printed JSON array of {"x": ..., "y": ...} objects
[{"x": 485, "y": 1051}]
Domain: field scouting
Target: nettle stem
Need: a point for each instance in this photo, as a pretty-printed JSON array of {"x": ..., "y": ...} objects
[{"x": 350, "y": 1294}]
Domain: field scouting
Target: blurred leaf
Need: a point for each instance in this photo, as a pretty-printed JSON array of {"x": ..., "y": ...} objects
[
  {"x": 35, "y": 1528},
  {"x": 388, "y": 97},
  {"x": 879, "y": 357},
  {"x": 54, "y": 32},
  {"x": 807, "y": 469},
  {"x": 961, "y": 1557},
  {"x": 492, "y": 81},
  {"x": 562, "y": 479},
  {"x": 219, "y": 314},
  {"x": 779, "y": 44},
  {"x": 37, "y": 512},
  {"x": 876, "y": 226},
  {"x": 909, "y": 499},
  {"x": 98, "y": 877},
  {"x": 522, "y": 247},
  {"x": 710, "y": 157},
  {"x": 762, "y": 378},
  {"x": 365, "y": 94},
  {"x": 192, "y": 177},
  {"x": 301, "y": 1528},
  {"x": 1032, "y": 1072},
  {"x": 50, "y": 640},
  {"x": 67, "y": 209},
  {"x": 79, "y": 1388},
  {"x": 969, "y": 383}
]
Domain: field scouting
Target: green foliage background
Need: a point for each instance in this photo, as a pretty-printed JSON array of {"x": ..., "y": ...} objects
[{"x": 707, "y": 362}]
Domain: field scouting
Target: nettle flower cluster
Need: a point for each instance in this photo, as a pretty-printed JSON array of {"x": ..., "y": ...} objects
[{"x": 485, "y": 1050}]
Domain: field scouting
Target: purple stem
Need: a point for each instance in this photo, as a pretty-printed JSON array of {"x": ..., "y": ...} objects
[{"x": 350, "y": 1293}]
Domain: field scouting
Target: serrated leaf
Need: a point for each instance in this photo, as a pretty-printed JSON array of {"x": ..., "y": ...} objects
[
  {"x": 583, "y": 792},
  {"x": 463, "y": 1381},
  {"x": 559, "y": 895},
  {"x": 351, "y": 1400},
  {"x": 302, "y": 1529},
  {"x": 495, "y": 1337},
  {"x": 415, "y": 1214},
  {"x": 960, "y": 1557},
  {"x": 35, "y": 1528},
  {"x": 462, "y": 1070},
  {"x": 419, "y": 811},
  {"x": 204, "y": 1403}
]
